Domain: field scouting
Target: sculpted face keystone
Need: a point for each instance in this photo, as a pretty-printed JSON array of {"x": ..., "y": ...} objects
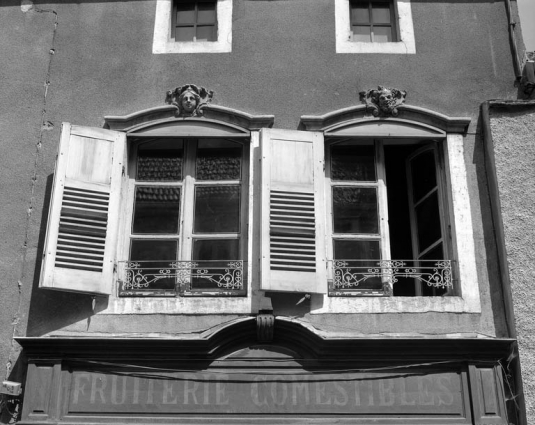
[{"x": 189, "y": 102}]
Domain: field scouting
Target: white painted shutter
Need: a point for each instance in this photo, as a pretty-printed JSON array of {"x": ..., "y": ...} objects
[
  {"x": 82, "y": 227},
  {"x": 293, "y": 211}
]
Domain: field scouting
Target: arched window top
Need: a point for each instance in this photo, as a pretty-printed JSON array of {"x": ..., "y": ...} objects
[
  {"x": 162, "y": 121},
  {"x": 411, "y": 121}
]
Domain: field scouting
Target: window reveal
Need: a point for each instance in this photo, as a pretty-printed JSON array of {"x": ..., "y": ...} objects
[
  {"x": 188, "y": 214},
  {"x": 373, "y": 21},
  {"x": 388, "y": 219},
  {"x": 195, "y": 20}
]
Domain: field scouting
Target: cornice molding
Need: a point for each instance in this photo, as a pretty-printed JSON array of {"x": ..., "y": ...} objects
[
  {"x": 303, "y": 339},
  {"x": 169, "y": 113},
  {"x": 358, "y": 113}
]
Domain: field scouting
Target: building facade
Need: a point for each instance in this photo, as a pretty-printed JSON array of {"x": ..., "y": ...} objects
[{"x": 252, "y": 211}]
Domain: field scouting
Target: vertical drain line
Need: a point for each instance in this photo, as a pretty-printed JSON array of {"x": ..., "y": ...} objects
[{"x": 43, "y": 126}]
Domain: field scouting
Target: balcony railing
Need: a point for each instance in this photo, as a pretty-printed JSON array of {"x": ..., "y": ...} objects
[
  {"x": 166, "y": 278},
  {"x": 380, "y": 276}
]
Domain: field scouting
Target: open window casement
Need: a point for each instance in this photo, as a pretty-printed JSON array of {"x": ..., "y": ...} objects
[
  {"x": 293, "y": 211},
  {"x": 84, "y": 210}
]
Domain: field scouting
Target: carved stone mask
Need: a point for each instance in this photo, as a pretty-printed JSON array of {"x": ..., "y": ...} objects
[{"x": 189, "y": 102}]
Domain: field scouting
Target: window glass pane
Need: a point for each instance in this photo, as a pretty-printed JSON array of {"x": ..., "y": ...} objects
[
  {"x": 219, "y": 272},
  {"x": 381, "y": 13},
  {"x": 355, "y": 210},
  {"x": 361, "y": 33},
  {"x": 185, "y": 34},
  {"x": 206, "y": 13},
  {"x": 216, "y": 249},
  {"x": 218, "y": 160},
  {"x": 360, "y": 13},
  {"x": 160, "y": 160},
  {"x": 423, "y": 173},
  {"x": 354, "y": 272},
  {"x": 152, "y": 256},
  {"x": 185, "y": 13},
  {"x": 357, "y": 250},
  {"x": 382, "y": 34},
  {"x": 205, "y": 33},
  {"x": 428, "y": 222},
  {"x": 217, "y": 209},
  {"x": 156, "y": 210},
  {"x": 353, "y": 163}
]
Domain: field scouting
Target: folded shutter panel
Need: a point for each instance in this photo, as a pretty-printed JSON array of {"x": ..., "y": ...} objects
[
  {"x": 293, "y": 211},
  {"x": 84, "y": 211}
]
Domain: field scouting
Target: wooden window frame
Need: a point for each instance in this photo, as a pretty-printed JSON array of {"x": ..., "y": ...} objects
[
  {"x": 185, "y": 235},
  {"x": 392, "y": 25},
  {"x": 382, "y": 199},
  {"x": 195, "y": 24}
]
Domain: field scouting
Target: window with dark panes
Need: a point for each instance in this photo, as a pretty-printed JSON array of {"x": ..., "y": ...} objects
[
  {"x": 195, "y": 20},
  {"x": 388, "y": 221},
  {"x": 188, "y": 218},
  {"x": 373, "y": 21}
]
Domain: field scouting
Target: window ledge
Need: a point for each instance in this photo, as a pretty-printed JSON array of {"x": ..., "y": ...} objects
[
  {"x": 179, "y": 305},
  {"x": 163, "y": 44},
  {"x": 407, "y": 45},
  {"x": 355, "y": 305}
]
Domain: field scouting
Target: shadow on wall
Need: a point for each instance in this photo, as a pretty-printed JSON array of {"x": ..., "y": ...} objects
[
  {"x": 53, "y": 310},
  {"x": 489, "y": 239}
]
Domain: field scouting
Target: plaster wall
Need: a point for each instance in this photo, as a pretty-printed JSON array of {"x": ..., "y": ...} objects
[
  {"x": 514, "y": 152},
  {"x": 98, "y": 61}
]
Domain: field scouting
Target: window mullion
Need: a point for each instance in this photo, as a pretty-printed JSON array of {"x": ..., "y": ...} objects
[
  {"x": 382, "y": 199},
  {"x": 188, "y": 202}
]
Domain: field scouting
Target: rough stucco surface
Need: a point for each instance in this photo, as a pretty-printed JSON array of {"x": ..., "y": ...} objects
[
  {"x": 514, "y": 150},
  {"x": 103, "y": 65}
]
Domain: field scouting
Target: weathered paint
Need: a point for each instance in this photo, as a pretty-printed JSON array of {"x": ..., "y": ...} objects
[{"x": 98, "y": 61}]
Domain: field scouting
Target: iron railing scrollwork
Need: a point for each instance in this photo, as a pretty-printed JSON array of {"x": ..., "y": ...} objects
[
  {"x": 361, "y": 274},
  {"x": 151, "y": 277}
]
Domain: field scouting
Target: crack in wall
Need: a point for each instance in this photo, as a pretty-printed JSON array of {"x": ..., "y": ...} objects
[{"x": 28, "y": 6}]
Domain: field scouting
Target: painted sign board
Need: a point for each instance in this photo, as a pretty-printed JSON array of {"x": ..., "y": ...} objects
[{"x": 225, "y": 392}]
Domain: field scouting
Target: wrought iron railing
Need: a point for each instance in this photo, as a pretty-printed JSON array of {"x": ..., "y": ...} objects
[
  {"x": 382, "y": 275},
  {"x": 153, "y": 277}
]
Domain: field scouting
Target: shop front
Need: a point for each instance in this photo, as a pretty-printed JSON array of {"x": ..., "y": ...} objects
[{"x": 250, "y": 373}]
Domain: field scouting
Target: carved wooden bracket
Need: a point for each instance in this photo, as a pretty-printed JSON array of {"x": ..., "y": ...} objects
[{"x": 265, "y": 324}]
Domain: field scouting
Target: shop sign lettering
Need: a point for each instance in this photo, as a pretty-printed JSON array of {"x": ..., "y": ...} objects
[{"x": 429, "y": 393}]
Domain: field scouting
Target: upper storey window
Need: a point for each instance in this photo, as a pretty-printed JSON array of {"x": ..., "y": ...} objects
[
  {"x": 388, "y": 214},
  {"x": 373, "y": 21},
  {"x": 193, "y": 26},
  {"x": 195, "y": 20},
  {"x": 187, "y": 204},
  {"x": 374, "y": 26}
]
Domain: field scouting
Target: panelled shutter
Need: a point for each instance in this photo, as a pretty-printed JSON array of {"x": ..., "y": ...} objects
[
  {"x": 82, "y": 227},
  {"x": 293, "y": 211}
]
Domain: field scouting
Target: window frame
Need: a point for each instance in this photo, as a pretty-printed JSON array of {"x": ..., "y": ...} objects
[
  {"x": 195, "y": 24},
  {"x": 371, "y": 24},
  {"x": 186, "y": 235},
  {"x": 403, "y": 22},
  {"x": 164, "y": 40},
  {"x": 381, "y": 184}
]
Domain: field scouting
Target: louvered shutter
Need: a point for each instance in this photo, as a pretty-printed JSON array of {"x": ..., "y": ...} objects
[
  {"x": 293, "y": 211},
  {"x": 84, "y": 211}
]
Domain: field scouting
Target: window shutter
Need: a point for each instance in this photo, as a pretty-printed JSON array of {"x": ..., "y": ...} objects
[
  {"x": 84, "y": 211},
  {"x": 293, "y": 211}
]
